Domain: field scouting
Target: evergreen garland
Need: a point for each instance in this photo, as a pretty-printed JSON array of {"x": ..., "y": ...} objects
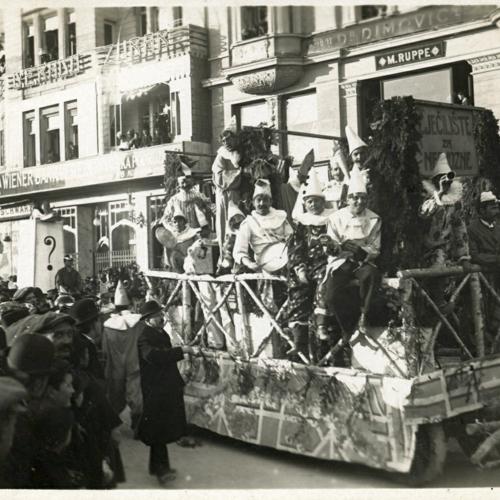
[
  {"x": 173, "y": 169},
  {"x": 488, "y": 146},
  {"x": 396, "y": 184}
]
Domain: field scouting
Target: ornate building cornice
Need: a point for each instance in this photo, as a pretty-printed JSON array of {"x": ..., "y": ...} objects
[{"x": 485, "y": 63}]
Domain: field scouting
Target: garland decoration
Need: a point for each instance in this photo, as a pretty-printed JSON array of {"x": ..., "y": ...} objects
[
  {"x": 396, "y": 185},
  {"x": 173, "y": 169}
]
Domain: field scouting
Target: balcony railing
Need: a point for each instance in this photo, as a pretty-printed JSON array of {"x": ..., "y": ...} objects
[
  {"x": 162, "y": 45},
  {"x": 50, "y": 72}
]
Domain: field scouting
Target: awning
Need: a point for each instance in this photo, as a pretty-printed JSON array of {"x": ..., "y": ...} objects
[{"x": 132, "y": 94}]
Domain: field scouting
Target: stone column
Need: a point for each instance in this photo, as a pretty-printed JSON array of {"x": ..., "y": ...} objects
[
  {"x": 351, "y": 104},
  {"x": 151, "y": 25},
  {"x": 281, "y": 19},
  {"x": 62, "y": 28},
  {"x": 486, "y": 78},
  {"x": 37, "y": 35}
]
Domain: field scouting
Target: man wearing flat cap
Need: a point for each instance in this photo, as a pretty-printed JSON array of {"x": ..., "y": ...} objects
[{"x": 68, "y": 279}]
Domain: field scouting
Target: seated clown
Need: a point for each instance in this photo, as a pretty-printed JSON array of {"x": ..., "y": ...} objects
[
  {"x": 307, "y": 264},
  {"x": 265, "y": 233},
  {"x": 354, "y": 245}
]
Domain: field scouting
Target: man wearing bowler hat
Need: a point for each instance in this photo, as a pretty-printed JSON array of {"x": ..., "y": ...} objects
[{"x": 164, "y": 418}]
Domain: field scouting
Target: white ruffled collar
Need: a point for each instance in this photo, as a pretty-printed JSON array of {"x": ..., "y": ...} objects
[
  {"x": 273, "y": 220},
  {"x": 454, "y": 194},
  {"x": 308, "y": 219}
]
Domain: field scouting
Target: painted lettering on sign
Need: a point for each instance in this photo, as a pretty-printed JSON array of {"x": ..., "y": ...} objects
[
  {"x": 422, "y": 19},
  {"x": 448, "y": 129},
  {"x": 406, "y": 56},
  {"x": 19, "y": 182}
]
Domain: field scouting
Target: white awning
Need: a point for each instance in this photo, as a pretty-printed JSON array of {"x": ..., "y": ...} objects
[{"x": 132, "y": 94}]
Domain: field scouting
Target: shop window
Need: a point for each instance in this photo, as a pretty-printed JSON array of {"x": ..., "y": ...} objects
[
  {"x": 254, "y": 22},
  {"x": 177, "y": 16},
  {"x": 50, "y": 40},
  {"x": 71, "y": 35},
  {"x": 71, "y": 129},
  {"x": 371, "y": 11},
  {"x": 301, "y": 115},
  {"x": 29, "y": 139},
  {"x": 50, "y": 135},
  {"x": 109, "y": 32},
  {"x": 68, "y": 215},
  {"x": 29, "y": 45},
  {"x": 252, "y": 114},
  {"x": 114, "y": 123},
  {"x": 175, "y": 114}
]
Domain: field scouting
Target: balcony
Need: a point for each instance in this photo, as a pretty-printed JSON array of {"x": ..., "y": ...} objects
[
  {"x": 101, "y": 169},
  {"x": 266, "y": 64},
  {"x": 162, "y": 45}
]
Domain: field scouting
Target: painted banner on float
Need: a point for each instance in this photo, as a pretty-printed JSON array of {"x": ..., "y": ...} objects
[{"x": 447, "y": 128}]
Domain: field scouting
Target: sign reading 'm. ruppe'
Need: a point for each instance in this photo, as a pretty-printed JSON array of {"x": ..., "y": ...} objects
[
  {"x": 447, "y": 128},
  {"x": 410, "y": 55}
]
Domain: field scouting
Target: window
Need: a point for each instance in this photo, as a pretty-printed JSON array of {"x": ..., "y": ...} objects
[
  {"x": 177, "y": 16},
  {"x": 71, "y": 40},
  {"x": 252, "y": 114},
  {"x": 114, "y": 123},
  {"x": 143, "y": 21},
  {"x": 68, "y": 215},
  {"x": 175, "y": 114},
  {"x": 71, "y": 129},
  {"x": 50, "y": 135},
  {"x": 109, "y": 32},
  {"x": 29, "y": 139},
  {"x": 50, "y": 40},
  {"x": 254, "y": 22},
  {"x": 301, "y": 114},
  {"x": 370, "y": 11},
  {"x": 29, "y": 46}
]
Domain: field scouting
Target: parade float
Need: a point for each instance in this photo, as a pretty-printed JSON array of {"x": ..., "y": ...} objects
[{"x": 417, "y": 377}]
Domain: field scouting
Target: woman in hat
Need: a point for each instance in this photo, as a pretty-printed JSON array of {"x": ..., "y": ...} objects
[{"x": 164, "y": 418}]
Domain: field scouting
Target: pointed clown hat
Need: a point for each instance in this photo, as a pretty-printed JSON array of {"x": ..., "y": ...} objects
[
  {"x": 314, "y": 187},
  {"x": 232, "y": 126},
  {"x": 355, "y": 142},
  {"x": 441, "y": 167},
  {"x": 121, "y": 297},
  {"x": 262, "y": 186},
  {"x": 307, "y": 163},
  {"x": 233, "y": 210},
  {"x": 357, "y": 182}
]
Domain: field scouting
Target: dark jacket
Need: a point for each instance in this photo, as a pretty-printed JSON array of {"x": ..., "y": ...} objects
[
  {"x": 164, "y": 418},
  {"x": 484, "y": 244}
]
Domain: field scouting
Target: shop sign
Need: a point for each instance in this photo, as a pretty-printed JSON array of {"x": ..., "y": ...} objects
[
  {"x": 19, "y": 212},
  {"x": 449, "y": 129},
  {"x": 47, "y": 73},
  {"x": 422, "y": 19},
  {"x": 410, "y": 55},
  {"x": 19, "y": 181}
]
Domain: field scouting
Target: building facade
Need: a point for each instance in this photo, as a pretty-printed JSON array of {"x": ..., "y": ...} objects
[{"x": 78, "y": 80}]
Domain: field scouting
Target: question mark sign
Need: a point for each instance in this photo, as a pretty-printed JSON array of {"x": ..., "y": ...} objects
[{"x": 50, "y": 241}]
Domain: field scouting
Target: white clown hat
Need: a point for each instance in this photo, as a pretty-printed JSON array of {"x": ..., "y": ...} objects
[
  {"x": 442, "y": 166},
  {"x": 357, "y": 182},
  {"x": 233, "y": 210},
  {"x": 355, "y": 142},
  {"x": 314, "y": 187},
  {"x": 262, "y": 186},
  {"x": 121, "y": 297},
  {"x": 487, "y": 196},
  {"x": 232, "y": 126}
]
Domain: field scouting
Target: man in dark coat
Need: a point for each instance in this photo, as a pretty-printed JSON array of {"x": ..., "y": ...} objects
[{"x": 164, "y": 418}]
